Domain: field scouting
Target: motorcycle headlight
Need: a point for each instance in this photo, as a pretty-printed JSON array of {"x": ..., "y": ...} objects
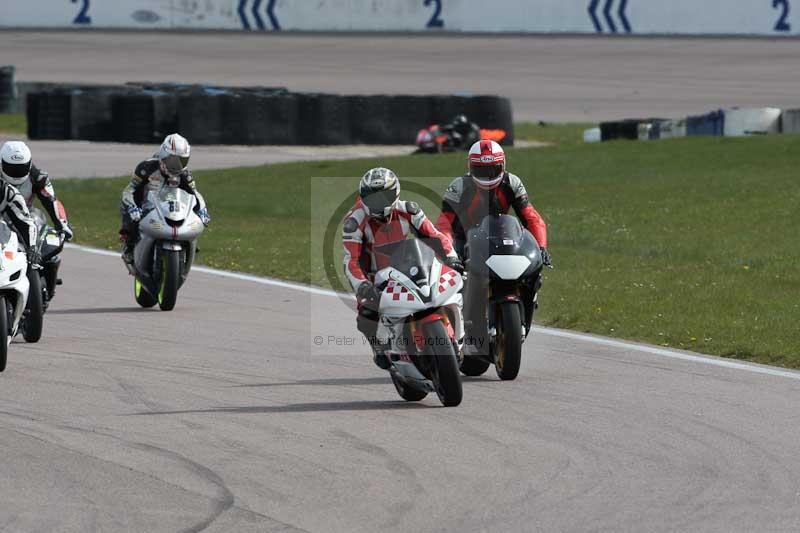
[{"x": 508, "y": 266}]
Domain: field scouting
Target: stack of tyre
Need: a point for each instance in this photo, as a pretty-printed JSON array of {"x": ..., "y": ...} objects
[{"x": 145, "y": 112}]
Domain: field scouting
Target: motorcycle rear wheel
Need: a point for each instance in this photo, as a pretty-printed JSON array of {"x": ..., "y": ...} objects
[
  {"x": 444, "y": 366},
  {"x": 407, "y": 393},
  {"x": 143, "y": 298},
  {"x": 472, "y": 366}
]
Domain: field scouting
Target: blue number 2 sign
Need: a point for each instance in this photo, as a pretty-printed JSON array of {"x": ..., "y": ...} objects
[
  {"x": 782, "y": 25},
  {"x": 436, "y": 20},
  {"x": 83, "y": 15}
]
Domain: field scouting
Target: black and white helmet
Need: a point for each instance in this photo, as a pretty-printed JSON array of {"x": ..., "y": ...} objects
[
  {"x": 16, "y": 162},
  {"x": 379, "y": 191}
]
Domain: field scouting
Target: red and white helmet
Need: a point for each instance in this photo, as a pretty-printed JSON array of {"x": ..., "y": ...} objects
[
  {"x": 174, "y": 155},
  {"x": 487, "y": 164}
]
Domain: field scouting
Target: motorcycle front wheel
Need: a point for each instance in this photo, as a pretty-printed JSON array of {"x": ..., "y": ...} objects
[
  {"x": 170, "y": 279},
  {"x": 509, "y": 341},
  {"x": 33, "y": 320},
  {"x": 444, "y": 365},
  {"x": 4, "y": 332}
]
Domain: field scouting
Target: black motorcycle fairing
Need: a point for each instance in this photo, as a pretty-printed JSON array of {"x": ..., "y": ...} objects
[
  {"x": 484, "y": 289},
  {"x": 500, "y": 235}
]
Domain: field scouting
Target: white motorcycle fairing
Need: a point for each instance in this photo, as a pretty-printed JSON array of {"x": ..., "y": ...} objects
[
  {"x": 14, "y": 282},
  {"x": 169, "y": 223},
  {"x": 402, "y": 298}
]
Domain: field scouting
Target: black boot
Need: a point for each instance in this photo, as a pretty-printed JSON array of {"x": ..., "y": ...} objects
[
  {"x": 127, "y": 252},
  {"x": 379, "y": 356}
]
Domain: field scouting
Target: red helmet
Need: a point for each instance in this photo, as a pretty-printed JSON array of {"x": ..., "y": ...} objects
[{"x": 487, "y": 164}]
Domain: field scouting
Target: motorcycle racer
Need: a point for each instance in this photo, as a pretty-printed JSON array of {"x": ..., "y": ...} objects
[
  {"x": 488, "y": 189},
  {"x": 464, "y": 132},
  {"x": 378, "y": 220},
  {"x": 168, "y": 166},
  {"x": 18, "y": 170}
]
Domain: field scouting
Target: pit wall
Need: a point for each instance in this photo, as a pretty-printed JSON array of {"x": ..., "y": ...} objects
[{"x": 626, "y": 17}]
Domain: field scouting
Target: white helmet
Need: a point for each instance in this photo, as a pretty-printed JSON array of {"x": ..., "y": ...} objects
[
  {"x": 487, "y": 164},
  {"x": 174, "y": 155},
  {"x": 16, "y": 166},
  {"x": 379, "y": 191}
]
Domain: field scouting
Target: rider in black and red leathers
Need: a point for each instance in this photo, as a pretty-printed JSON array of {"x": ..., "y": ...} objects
[
  {"x": 470, "y": 198},
  {"x": 377, "y": 221},
  {"x": 488, "y": 189}
]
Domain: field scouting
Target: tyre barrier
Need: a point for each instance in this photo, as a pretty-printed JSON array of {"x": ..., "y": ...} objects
[
  {"x": 144, "y": 112},
  {"x": 49, "y": 115},
  {"x": 8, "y": 91},
  {"x": 790, "y": 121},
  {"x": 620, "y": 129},
  {"x": 323, "y": 119},
  {"x": 91, "y": 115}
]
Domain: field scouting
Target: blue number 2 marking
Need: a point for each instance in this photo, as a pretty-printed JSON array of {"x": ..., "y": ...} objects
[
  {"x": 436, "y": 20},
  {"x": 83, "y": 15},
  {"x": 782, "y": 25}
]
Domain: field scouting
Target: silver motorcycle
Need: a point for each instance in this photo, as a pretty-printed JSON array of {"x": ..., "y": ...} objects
[{"x": 167, "y": 245}]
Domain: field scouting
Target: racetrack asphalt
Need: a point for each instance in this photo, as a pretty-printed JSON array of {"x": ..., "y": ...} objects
[
  {"x": 547, "y": 78},
  {"x": 225, "y": 415}
]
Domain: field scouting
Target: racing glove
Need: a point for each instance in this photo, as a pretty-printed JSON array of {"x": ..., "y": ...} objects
[
  {"x": 546, "y": 258},
  {"x": 135, "y": 213},
  {"x": 34, "y": 258},
  {"x": 367, "y": 292},
  {"x": 454, "y": 263},
  {"x": 67, "y": 231},
  {"x": 205, "y": 218}
]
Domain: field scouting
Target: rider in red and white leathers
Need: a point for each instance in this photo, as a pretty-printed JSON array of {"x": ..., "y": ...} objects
[{"x": 377, "y": 221}]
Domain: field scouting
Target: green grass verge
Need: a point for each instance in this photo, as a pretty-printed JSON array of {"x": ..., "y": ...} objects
[
  {"x": 689, "y": 243},
  {"x": 13, "y": 124},
  {"x": 558, "y": 134}
]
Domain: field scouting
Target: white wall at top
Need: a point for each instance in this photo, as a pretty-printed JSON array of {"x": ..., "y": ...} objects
[{"x": 687, "y": 17}]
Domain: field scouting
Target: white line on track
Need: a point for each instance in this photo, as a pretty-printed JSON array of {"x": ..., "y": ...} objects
[{"x": 603, "y": 341}]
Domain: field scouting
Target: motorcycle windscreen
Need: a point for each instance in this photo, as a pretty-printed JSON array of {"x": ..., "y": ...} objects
[
  {"x": 503, "y": 227},
  {"x": 413, "y": 258},
  {"x": 174, "y": 202}
]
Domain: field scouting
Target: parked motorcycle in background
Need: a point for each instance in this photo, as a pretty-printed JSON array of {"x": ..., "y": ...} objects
[
  {"x": 420, "y": 320},
  {"x": 504, "y": 265},
  {"x": 13, "y": 287},
  {"x": 436, "y": 139},
  {"x": 167, "y": 245}
]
